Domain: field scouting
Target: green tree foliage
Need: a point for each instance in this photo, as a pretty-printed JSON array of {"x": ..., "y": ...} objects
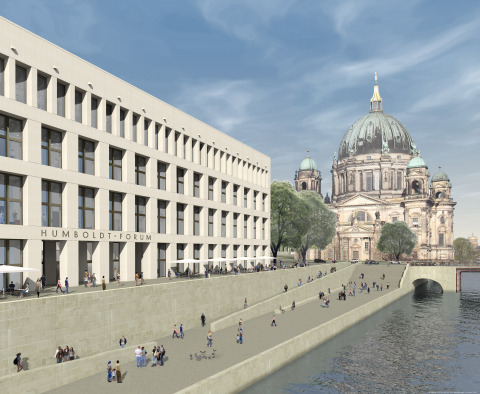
[
  {"x": 397, "y": 239},
  {"x": 464, "y": 250},
  {"x": 317, "y": 224},
  {"x": 285, "y": 217}
]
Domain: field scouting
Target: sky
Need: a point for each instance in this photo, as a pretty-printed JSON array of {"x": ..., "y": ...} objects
[{"x": 284, "y": 76}]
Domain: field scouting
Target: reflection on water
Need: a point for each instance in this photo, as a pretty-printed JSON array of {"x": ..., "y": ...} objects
[{"x": 429, "y": 341}]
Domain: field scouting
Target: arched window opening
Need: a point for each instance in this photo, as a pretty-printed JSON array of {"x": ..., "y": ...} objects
[{"x": 304, "y": 185}]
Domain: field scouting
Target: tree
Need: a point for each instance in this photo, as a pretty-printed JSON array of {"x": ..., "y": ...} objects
[
  {"x": 397, "y": 238},
  {"x": 464, "y": 250},
  {"x": 317, "y": 226},
  {"x": 286, "y": 209}
]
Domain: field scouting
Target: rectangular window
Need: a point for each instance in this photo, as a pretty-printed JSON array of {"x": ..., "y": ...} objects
[
  {"x": 175, "y": 143},
  {"x": 245, "y": 226},
  {"x": 86, "y": 207},
  {"x": 21, "y": 84},
  {"x": 235, "y": 194},
  {"x": 140, "y": 213},
  {"x": 145, "y": 132},
  {"x": 369, "y": 181},
  {"x": 108, "y": 117},
  {"x": 94, "y": 112},
  {"x": 235, "y": 224},
  {"x": 367, "y": 246},
  {"x": 255, "y": 194},
  {"x": 196, "y": 252},
  {"x": 78, "y": 106},
  {"x": 51, "y": 204},
  {"x": 157, "y": 132},
  {"x": 180, "y": 219},
  {"x": 167, "y": 136},
  {"x": 180, "y": 180},
  {"x": 196, "y": 184},
  {"x": 123, "y": 115},
  {"x": 11, "y": 253},
  {"x": 86, "y": 156},
  {"x": 394, "y": 219},
  {"x": 196, "y": 220},
  {"x": 115, "y": 164},
  {"x": 224, "y": 224},
  {"x": 61, "y": 92},
  {"x": 255, "y": 227},
  {"x": 11, "y": 195},
  {"x": 224, "y": 191},
  {"x": 209, "y": 148},
  {"x": 140, "y": 170},
  {"x": 245, "y": 197},
  {"x": 162, "y": 175},
  {"x": 42, "y": 83},
  {"x": 211, "y": 183},
  {"x": 11, "y": 135},
  {"x": 211, "y": 213},
  {"x": 441, "y": 239},
  {"x": 415, "y": 222},
  {"x": 202, "y": 159},
  {"x": 211, "y": 250},
  {"x": 185, "y": 142},
  {"x": 115, "y": 212},
  {"x": 263, "y": 228},
  {"x": 51, "y": 148},
  {"x": 162, "y": 260},
  {"x": 180, "y": 256},
  {"x": 264, "y": 198},
  {"x": 2, "y": 77},
  {"x": 134, "y": 127},
  {"x": 162, "y": 216}
]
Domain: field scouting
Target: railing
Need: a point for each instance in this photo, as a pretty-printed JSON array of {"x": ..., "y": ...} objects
[{"x": 441, "y": 263}]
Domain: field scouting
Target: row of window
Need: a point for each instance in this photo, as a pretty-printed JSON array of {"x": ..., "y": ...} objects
[
  {"x": 370, "y": 180},
  {"x": 116, "y": 122}
]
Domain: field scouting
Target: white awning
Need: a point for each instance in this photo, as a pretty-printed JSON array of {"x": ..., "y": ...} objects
[{"x": 10, "y": 269}]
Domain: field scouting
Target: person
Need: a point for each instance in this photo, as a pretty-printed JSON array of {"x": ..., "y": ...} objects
[
  {"x": 241, "y": 338},
  {"x": 299, "y": 282},
  {"x": 38, "y": 287},
  {"x": 281, "y": 309},
  {"x": 377, "y": 286},
  {"x": 66, "y": 352},
  {"x": 240, "y": 323},
  {"x": 18, "y": 362},
  {"x": 11, "y": 287},
  {"x": 104, "y": 285},
  {"x": 383, "y": 276},
  {"x": 175, "y": 332},
  {"x": 238, "y": 337},
  {"x": 324, "y": 302},
  {"x": 209, "y": 339},
  {"x": 381, "y": 287},
  {"x": 118, "y": 278},
  {"x": 44, "y": 281},
  {"x": 85, "y": 278},
  {"x": 71, "y": 354},
  {"x": 115, "y": 273},
  {"x": 123, "y": 341},
  {"x": 114, "y": 374},
  {"x": 59, "y": 286},
  {"x": 154, "y": 356},
  {"x": 273, "y": 321},
  {"x": 388, "y": 285},
  {"x": 136, "y": 278},
  {"x": 293, "y": 305},
  {"x": 109, "y": 372},
  {"x": 202, "y": 318},
  {"x": 119, "y": 372},
  {"x": 368, "y": 290},
  {"x": 181, "y": 331},
  {"x": 169, "y": 274},
  {"x": 162, "y": 354},
  {"x": 66, "y": 284},
  {"x": 144, "y": 357},
  {"x": 245, "y": 304},
  {"x": 59, "y": 355},
  {"x": 138, "y": 355},
  {"x": 285, "y": 288},
  {"x": 142, "y": 281},
  {"x": 25, "y": 290},
  {"x": 94, "y": 280}
]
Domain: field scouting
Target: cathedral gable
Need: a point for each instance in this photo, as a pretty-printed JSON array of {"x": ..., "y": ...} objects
[{"x": 361, "y": 200}]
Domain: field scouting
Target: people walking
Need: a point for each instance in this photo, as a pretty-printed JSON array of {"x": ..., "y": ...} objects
[
  {"x": 38, "y": 287},
  {"x": 144, "y": 357},
  {"x": 66, "y": 284},
  {"x": 175, "y": 332},
  {"x": 59, "y": 355},
  {"x": 59, "y": 286},
  {"x": 273, "y": 321},
  {"x": 388, "y": 285},
  {"x": 123, "y": 341},
  {"x": 381, "y": 287},
  {"x": 85, "y": 278},
  {"x": 18, "y": 362},
  {"x": 154, "y": 356},
  {"x": 181, "y": 331},
  {"x": 285, "y": 288},
  {"x": 109, "y": 372},
  {"x": 94, "y": 280},
  {"x": 142, "y": 281},
  {"x": 104, "y": 284},
  {"x": 293, "y": 305},
  {"x": 162, "y": 354},
  {"x": 202, "y": 318},
  {"x": 119, "y": 372},
  {"x": 71, "y": 354},
  {"x": 138, "y": 355},
  {"x": 245, "y": 305},
  {"x": 209, "y": 339},
  {"x": 118, "y": 278},
  {"x": 44, "y": 281},
  {"x": 169, "y": 274},
  {"x": 136, "y": 278}
]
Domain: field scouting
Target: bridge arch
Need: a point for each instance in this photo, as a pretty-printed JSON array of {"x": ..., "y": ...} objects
[{"x": 445, "y": 276}]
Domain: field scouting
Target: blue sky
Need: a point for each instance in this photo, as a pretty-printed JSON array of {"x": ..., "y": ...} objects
[{"x": 284, "y": 76}]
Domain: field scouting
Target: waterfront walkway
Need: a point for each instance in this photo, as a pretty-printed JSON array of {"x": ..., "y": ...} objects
[{"x": 180, "y": 371}]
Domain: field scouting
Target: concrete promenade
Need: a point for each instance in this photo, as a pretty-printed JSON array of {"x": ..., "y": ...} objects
[{"x": 180, "y": 372}]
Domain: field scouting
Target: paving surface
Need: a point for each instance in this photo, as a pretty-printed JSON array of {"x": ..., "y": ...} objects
[{"x": 180, "y": 371}]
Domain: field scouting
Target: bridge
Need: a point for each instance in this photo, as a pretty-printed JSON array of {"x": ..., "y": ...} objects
[{"x": 449, "y": 277}]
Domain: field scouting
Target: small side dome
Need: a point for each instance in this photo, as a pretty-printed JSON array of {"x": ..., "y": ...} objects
[
  {"x": 417, "y": 162},
  {"x": 308, "y": 164},
  {"x": 327, "y": 199},
  {"x": 440, "y": 176}
]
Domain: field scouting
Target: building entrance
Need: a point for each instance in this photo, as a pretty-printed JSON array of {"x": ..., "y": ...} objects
[{"x": 51, "y": 261}]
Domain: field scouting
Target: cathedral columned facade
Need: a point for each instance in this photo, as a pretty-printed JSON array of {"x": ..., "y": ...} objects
[{"x": 379, "y": 177}]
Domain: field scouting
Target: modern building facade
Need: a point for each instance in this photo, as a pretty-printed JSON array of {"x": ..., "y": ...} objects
[
  {"x": 98, "y": 175},
  {"x": 379, "y": 177}
]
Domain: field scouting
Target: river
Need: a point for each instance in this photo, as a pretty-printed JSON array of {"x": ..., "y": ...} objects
[{"x": 428, "y": 341}]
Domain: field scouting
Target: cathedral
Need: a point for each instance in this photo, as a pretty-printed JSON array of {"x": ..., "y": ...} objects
[{"x": 379, "y": 177}]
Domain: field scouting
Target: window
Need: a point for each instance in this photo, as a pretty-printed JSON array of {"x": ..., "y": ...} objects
[
  {"x": 162, "y": 216},
  {"x": 42, "y": 83},
  {"x": 245, "y": 197},
  {"x": 224, "y": 191},
  {"x": 115, "y": 164},
  {"x": 211, "y": 213},
  {"x": 162, "y": 259},
  {"x": 51, "y": 148},
  {"x": 211, "y": 250},
  {"x": 175, "y": 143},
  {"x": 196, "y": 220},
  {"x": 211, "y": 182},
  {"x": 202, "y": 159},
  {"x": 10, "y": 199},
  {"x": 123, "y": 115},
  {"x": 245, "y": 226},
  {"x": 51, "y": 204},
  {"x": 2, "y": 77},
  {"x": 21, "y": 84},
  {"x": 180, "y": 180},
  {"x": 235, "y": 224},
  {"x": 196, "y": 252},
  {"x": 255, "y": 194},
  {"x": 264, "y": 197},
  {"x": 394, "y": 219},
  {"x": 441, "y": 239},
  {"x": 255, "y": 227},
  {"x": 157, "y": 132},
  {"x": 369, "y": 181},
  {"x": 115, "y": 212},
  {"x": 140, "y": 170},
  {"x": 93, "y": 112},
  {"x": 180, "y": 218},
  {"x": 11, "y": 253},
  {"x": 235, "y": 194},
  {"x": 367, "y": 246},
  {"x": 140, "y": 214},
  {"x": 415, "y": 222},
  {"x": 162, "y": 175},
  {"x": 167, "y": 135},
  {"x": 224, "y": 224},
  {"x": 134, "y": 127},
  {"x": 86, "y": 156},
  {"x": 264, "y": 221},
  {"x": 145, "y": 132},
  {"x": 86, "y": 207},
  {"x": 196, "y": 184},
  {"x": 61, "y": 91},
  {"x": 108, "y": 116},
  {"x": 180, "y": 256},
  {"x": 11, "y": 135},
  {"x": 78, "y": 106},
  {"x": 209, "y": 148},
  {"x": 185, "y": 142}
]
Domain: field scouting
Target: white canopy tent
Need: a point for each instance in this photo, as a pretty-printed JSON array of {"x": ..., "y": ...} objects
[{"x": 12, "y": 269}]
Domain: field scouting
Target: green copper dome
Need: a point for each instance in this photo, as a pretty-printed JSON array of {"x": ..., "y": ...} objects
[
  {"x": 417, "y": 162},
  {"x": 440, "y": 176},
  {"x": 308, "y": 164}
]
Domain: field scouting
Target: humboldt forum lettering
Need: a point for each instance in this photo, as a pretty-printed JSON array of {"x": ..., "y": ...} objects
[{"x": 74, "y": 234}]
